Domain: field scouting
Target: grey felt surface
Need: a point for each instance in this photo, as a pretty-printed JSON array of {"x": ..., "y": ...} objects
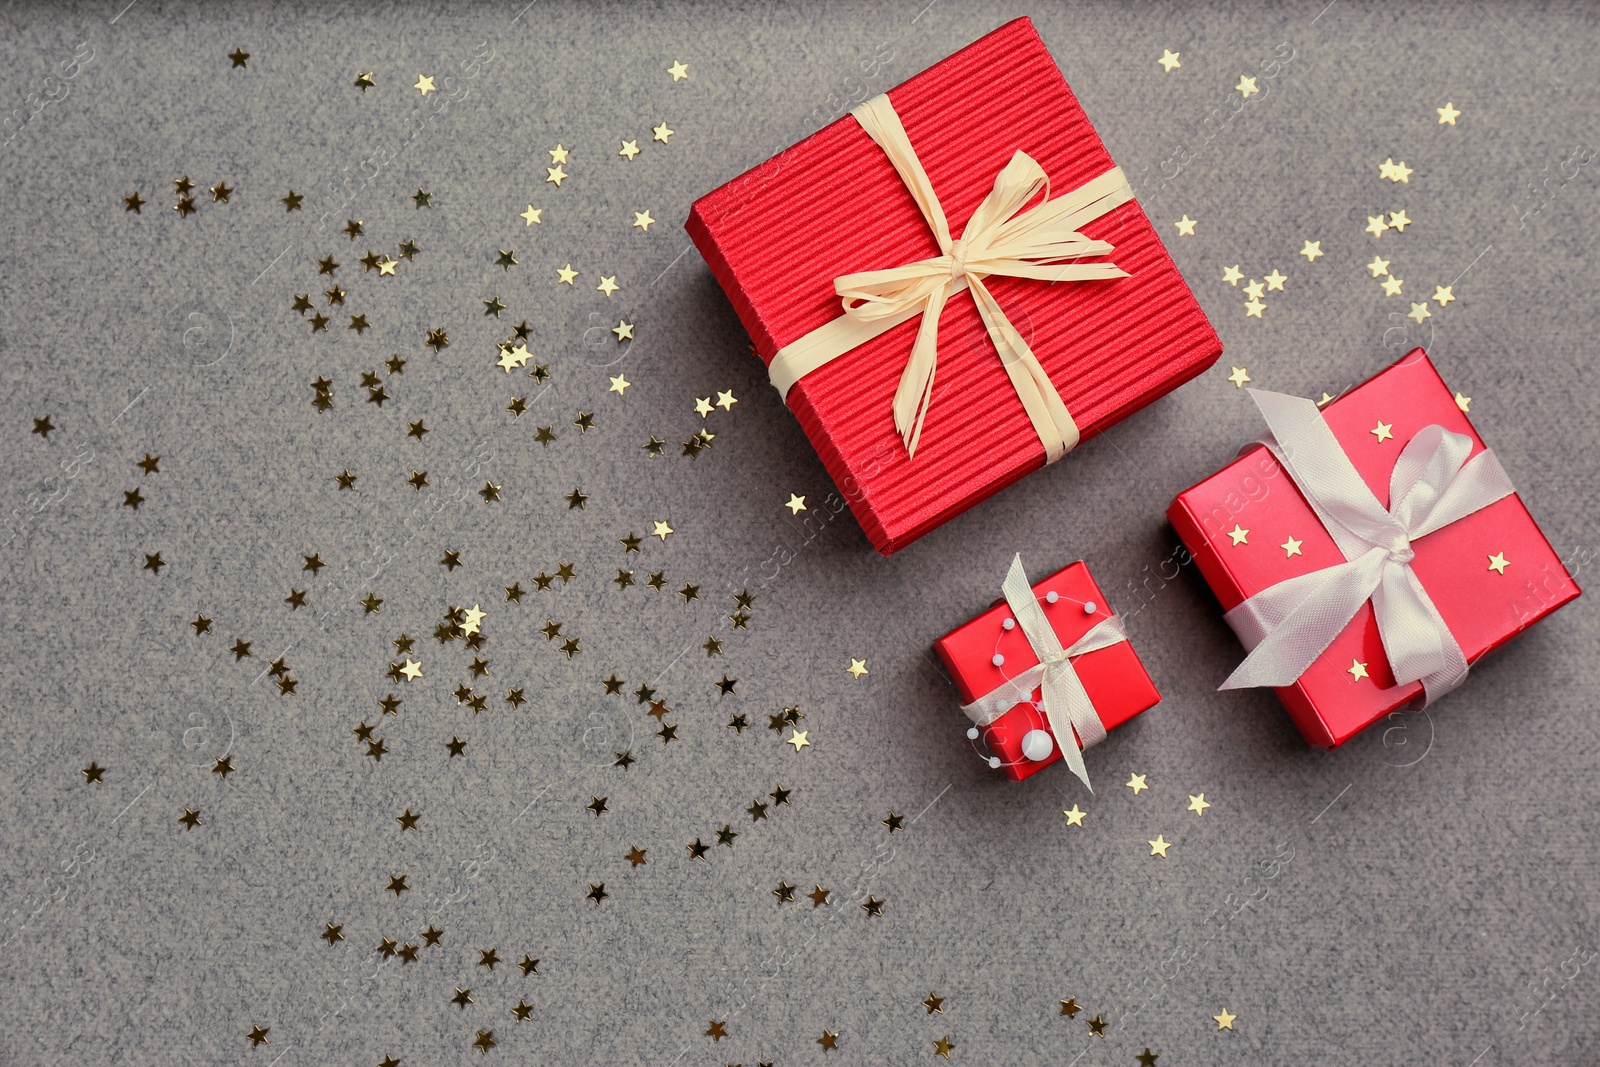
[{"x": 1426, "y": 895}]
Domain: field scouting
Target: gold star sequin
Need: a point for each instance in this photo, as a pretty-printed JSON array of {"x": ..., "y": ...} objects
[
  {"x": 608, "y": 285},
  {"x": 1159, "y": 846},
  {"x": 796, "y": 504},
  {"x": 1231, "y": 275},
  {"x": 485, "y": 1039},
  {"x": 1398, "y": 221},
  {"x": 240, "y": 58},
  {"x": 1185, "y": 226},
  {"x": 661, "y": 530},
  {"x": 1070, "y": 1008},
  {"x": 365, "y": 82},
  {"x": 556, "y": 175},
  {"x": 1137, "y": 783},
  {"x": 1392, "y": 286},
  {"x": 567, "y": 274},
  {"x": 1253, "y": 290},
  {"x": 424, "y": 84},
  {"x": 1464, "y": 402},
  {"x": 797, "y": 738},
  {"x": 1198, "y": 804},
  {"x": 1239, "y": 535},
  {"x": 1447, "y": 117},
  {"x": 1238, "y": 376},
  {"x": 642, "y": 220},
  {"x": 1442, "y": 294},
  {"x": 93, "y": 773},
  {"x": 1395, "y": 172},
  {"x": 857, "y": 668},
  {"x": 1384, "y": 431},
  {"x": 558, "y": 154},
  {"x": 1312, "y": 250},
  {"x": 679, "y": 71},
  {"x": 828, "y": 1040},
  {"x": 1378, "y": 266},
  {"x": 1498, "y": 563},
  {"x": 1357, "y": 670},
  {"x": 630, "y": 149},
  {"x": 1225, "y": 1020},
  {"x": 190, "y": 818},
  {"x": 1246, "y": 87},
  {"x": 1419, "y": 312},
  {"x": 623, "y": 330},
  {"x": 1074, "y": 816},
  {"x": 1254, "y": 308},
  {"x": 662, "y": 133},
  {"x": 258, "y": 1035},
  {"x": 1169, "y": 60},
  {"x": 133, "y": 202},
  {"x": 1376, "y": 225}
]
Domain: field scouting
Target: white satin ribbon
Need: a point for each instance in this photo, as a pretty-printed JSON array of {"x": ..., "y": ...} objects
[
  {"x": 1000, "y": 238},
  {"x": 1066, "y": 705},
  {"x": 1289, "y": 625}
]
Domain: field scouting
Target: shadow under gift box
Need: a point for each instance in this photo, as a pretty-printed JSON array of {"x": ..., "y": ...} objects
[
  {"x": 1483, "y": 609},
  {"x": 777, "y": 236},
  {"x": 1115, "y": 680}
]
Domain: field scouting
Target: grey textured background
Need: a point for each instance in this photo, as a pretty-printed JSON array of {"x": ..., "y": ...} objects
[{"x": 1439, "y": 905}]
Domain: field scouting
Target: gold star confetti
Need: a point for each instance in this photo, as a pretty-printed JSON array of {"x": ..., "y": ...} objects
[
  {"x": 1239, "y": 376},
  {"x": 1498, "y": 563},
  {"x": 531, "y": 216},
  {"x": 1239, "y": 535},
  {"x": 1392, "y": 286},
  {"x": 1419, "y": 312},
  {"x": 1254, "y": 308},
  {"x": 555, "y": 175},
  {"x": 623, "y": 330},
  {"x": 93, "y": 773},
  {"x": 1225, "y": 1020},
  {"x": 558, "y": 154},
  {"x": 796, "y": 504},
  {"x": 1097, "y": 1026},
  {"x": 258, "y": 1035},
  {"x": 1376, "y": 225},
  {"x": 412, "y": 670},
  {"x": 1159, "y": 846},
  {"x": 190, "y": 818},
  {"x": 797, "y": 738},
  {"x": 1291, "y": 547},
  {"x": 1395, "y": 172},
  {"x": 1137, "y": 783},
  {"x": 1231, "y": 275},
  {"x": 1147, "y": 1058},
  {"x": 1447, "y": 117},
  {"x": 942, "y": 1046},
  {"x": 1169, "y": 60},
  {"x": 717, "y": 1030},
  {"x": 567, "y": 274},
  {"x": 642, "y": 220},
  {"x": 726, "y": 399},
  {"x": 1185, "y": 226},
  {"x": 1384, "y": 431},
  {"x": 387, "y": 266},
  {"x": 1198, "y": 804},
  {"x": 1246, "y": 87},
  {"x": 857, "y": 668},
  {"x": 1275, "y": 280},
  {"x": 679, "y": 71},
  {"x": 240, "y": 58},
  {"x": 608, "y": 285},
  {"x": 630, "y": 149},
  {"x": 365, "y": 82},
  {"x": 1074, "y": 816},
  {"x": 1070, "y": 1008},
  {"x": 662, "y": 133},
  {"x": 619, "y": 385},
  {"x": 1378, "y": 266},
  {"x": 1357, "y": 670},
  {"x": 1398, "y": 221},
  {"x": 828, "y": 1040},
  {"x": 1253, "y": 290},
  {"x": 1442, "y": 294},
  {"x": 660, "y": 529},
  {"x": 1312, "y": 250},
  {"x": 424, "y": 84},
  {"x": 1464, "y": 402},
  {"x": 485, "y": 1039}
]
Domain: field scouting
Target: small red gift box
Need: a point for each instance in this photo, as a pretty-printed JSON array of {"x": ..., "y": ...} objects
[
  {"x": 1113, "y": 677},
  {"x": 777, "y": 236},
  {"x": 1490, "y": 574}
]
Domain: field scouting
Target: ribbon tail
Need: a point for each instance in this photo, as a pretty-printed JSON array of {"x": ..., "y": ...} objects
[
  {"x": 1289, "y": 625},
  {"x": 1052, "y": 422},
  {"x": 1416, "y": 641},
  {"x": 1061, "y": 712},
  {"x": 915, "y": 392}
]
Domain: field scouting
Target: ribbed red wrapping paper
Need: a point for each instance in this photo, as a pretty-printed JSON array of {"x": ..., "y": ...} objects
[
  {"x": 777, "y": 236},
  {"x": 1482, "y": 608}
]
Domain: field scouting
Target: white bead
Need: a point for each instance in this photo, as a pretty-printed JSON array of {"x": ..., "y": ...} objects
[
  {"x": 1052, "y": 596},
  {"x": 1088, "y": 607},
  {"x": 1008, "y": 624},
  {"x": 998, "y": 660},
  {"x": 1037, "y": 745},
  {"x": 994, "y": 763},
  {"x": 972, "y": 733}
]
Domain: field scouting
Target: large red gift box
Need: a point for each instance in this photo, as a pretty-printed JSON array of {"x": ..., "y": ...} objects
[
  {"x": 777, "y": 236},
  {"x": 1482, "y": 606},
  {"x": 1113, "y": 677}
]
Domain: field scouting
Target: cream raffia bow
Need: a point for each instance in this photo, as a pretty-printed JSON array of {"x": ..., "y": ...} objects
[
  {"x": 1000, "y": 238},
  {"x": 1066, "y": 704},
  {"x": 1287, "y": 626}
]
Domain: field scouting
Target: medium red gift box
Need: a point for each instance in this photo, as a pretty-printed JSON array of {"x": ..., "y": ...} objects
[
  {"x": 1483, "y": 601},
  {"x": 777, "y": 236},
  {"x": 1113, "y": 677}
]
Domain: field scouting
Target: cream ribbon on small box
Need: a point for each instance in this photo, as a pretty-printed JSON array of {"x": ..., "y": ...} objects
[
  {"x": 1289, "y": 625},
  {"x": 1000, "y": 238},
  {"x": 1066, "y": 705}
]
